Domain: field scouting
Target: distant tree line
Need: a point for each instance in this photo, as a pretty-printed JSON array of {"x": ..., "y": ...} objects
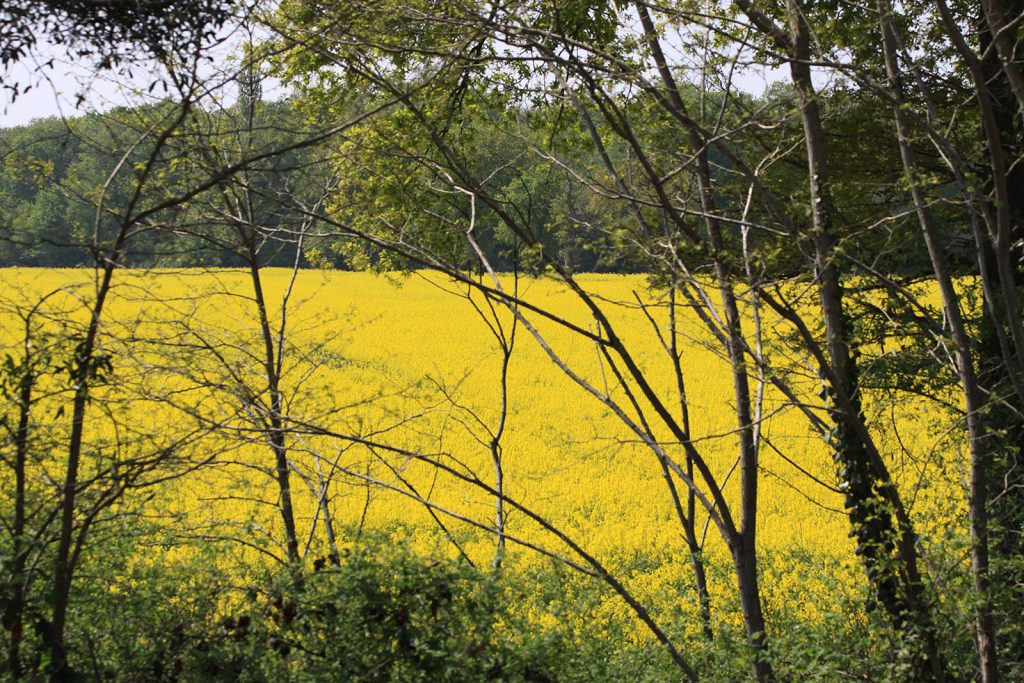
[{"x": 52, "y": 168}]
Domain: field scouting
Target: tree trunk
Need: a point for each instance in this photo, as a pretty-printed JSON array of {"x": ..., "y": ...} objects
[
  {"x": 973, "y": 397},
  {"x": 1003, "y": 378},
  {"x": 743, "y": 545},
  {"x": 1000, "y": 370},
  {"x": 869, "y": 491},
  {"x": 14, "y": 617},
  {"x": 63, "y": 573},
  {"x": 687, "y": 517},
  {"x": 276, "y": 434}
]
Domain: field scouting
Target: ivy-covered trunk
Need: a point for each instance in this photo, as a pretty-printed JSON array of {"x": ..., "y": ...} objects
[{"x": 886, "y": 541}]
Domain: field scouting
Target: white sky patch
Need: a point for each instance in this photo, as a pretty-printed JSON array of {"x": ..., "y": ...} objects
[
  {"x": 63, "y": 88},
  {"x": 59, "y": 87}
]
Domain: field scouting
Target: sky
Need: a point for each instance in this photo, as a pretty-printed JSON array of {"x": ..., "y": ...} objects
[
  {"x": 56, "y": 87},
  {"x": 60, "y": 87},
  {"x": 54, "y": 91}
]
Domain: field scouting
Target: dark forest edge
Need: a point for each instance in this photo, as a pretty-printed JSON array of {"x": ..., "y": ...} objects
[{"x": 52, "y": 169}]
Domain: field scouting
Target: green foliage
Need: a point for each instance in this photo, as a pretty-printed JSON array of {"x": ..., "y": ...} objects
[
  {"x": 383, "y": 614},
  {"x": 391, "y": 187},
  {"x": 379, "y": 614}
]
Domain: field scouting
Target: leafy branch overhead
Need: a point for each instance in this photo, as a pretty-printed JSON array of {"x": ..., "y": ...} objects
[{"x": 109, "y": 32}]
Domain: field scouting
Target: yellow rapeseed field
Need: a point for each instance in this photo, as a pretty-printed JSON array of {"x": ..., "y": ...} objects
[{"x": 407, "y": 361}]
